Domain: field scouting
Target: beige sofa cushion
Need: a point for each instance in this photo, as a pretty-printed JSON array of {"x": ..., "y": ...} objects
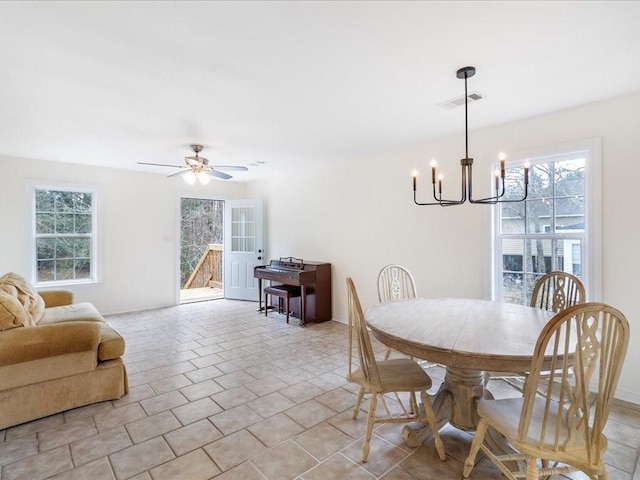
[
  {"x": 85, "y": 312},
  {"x": 111, "y": 343},
  {"x": 12, "y": 313},
  {"x": 15, "y": 285}
]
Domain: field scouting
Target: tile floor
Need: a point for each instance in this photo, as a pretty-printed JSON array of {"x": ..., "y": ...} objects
[{"x": 219, "y": 391}]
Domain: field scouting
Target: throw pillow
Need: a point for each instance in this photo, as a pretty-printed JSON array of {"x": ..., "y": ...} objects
[
  {"x": 12, "y": 313},
  {"x": 33, "y": 303}
]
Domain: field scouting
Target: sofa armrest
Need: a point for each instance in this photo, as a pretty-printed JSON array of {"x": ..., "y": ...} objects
[
  {"x": 56, "y": 298},
  {"x": 24, "y": 344}
]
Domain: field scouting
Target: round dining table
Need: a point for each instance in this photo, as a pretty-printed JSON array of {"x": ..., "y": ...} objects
[{"x": 468, "y": 337}]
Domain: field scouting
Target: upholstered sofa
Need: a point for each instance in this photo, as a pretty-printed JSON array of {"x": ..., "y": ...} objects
[{"x": 54, "y": 355}]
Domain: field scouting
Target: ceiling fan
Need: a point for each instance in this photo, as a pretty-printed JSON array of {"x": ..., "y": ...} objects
[{"x": 198, "y": 168}]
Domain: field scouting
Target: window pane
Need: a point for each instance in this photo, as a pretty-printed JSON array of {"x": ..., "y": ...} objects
[
  {"x": 44, "y": 201},
  {"x": 64, "y": 222},
  {"x": 570, "y": 214},
  {"x": 83, "y": 223},
  {"x": 45, "y": 270},
  {"x": 539, "y": 216},
  {"x": 65, "y": 269},
  {"x": 82, "y": 247},
  {"x": 540, "y": 183},
  {"x": 45, "y": 223},
  {"x": 45, "y": 248},
  {"x": 83, "y": 268},
  {"x": 538, "y": 256},
  {"x": 64, "y": 248}
]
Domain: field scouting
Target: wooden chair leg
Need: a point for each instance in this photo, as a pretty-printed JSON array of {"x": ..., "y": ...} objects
[
  {"x": 532, "y": 469},
  {"x": 356, "y": 410},
  {"x": 478, "y": 438},
  {"x": 371, "y": 415},
  {"x": 431, "y": 420}
]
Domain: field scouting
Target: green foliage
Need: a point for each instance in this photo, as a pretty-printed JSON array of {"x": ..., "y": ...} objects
[{"x": 201, "y": 223}]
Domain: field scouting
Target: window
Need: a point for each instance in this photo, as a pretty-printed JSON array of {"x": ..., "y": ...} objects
[
  {"x": 63, "y": 235},
  {"x": 556, "y": 228}
]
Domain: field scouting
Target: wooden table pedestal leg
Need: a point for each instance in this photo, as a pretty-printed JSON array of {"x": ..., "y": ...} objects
[{"x": 454, "y": 403}]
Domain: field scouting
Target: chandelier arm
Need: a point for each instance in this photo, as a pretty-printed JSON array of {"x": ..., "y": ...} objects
[
  {"x": 463, "y": 196},
  {"x": 467, "y": 170}
]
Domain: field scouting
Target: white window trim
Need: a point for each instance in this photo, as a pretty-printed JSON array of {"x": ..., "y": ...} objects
[
  {"x": 31, "y": 237},
  {"x": 592, "y": 259}
]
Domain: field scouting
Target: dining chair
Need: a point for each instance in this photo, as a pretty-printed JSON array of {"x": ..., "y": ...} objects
[
  {"x": 582, "y": 347},
  {"x": 556, "y": 291},
  {"x": 380, "y": 378},
  {"x": 395, "y": 282}
]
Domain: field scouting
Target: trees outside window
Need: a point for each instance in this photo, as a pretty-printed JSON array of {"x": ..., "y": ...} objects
[
  {"x": 549, "y": 231},
  {"x": 64, "y": 226}
]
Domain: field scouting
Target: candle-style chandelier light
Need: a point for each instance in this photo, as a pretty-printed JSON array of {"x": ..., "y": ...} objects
[{"x": 467, "y": 164}]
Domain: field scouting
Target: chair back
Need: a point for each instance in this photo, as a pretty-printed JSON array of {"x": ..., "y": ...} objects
[
  {"x": 358, "y": 330},
  {"x": 395, "y": 283},
  {"x": 556, "y": 291},
  {"x": 583, "y": 347}
]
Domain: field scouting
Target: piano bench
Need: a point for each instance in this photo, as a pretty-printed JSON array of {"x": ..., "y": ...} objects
[{"x": 286, "y": 292}]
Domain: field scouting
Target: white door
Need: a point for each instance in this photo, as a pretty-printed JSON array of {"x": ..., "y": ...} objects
[{"x": 243, "y": 248}]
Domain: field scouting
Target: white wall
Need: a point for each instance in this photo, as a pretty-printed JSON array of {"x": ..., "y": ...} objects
[
  {"x": 138, "y": 229},
  {"x": 358, "y": 214}
]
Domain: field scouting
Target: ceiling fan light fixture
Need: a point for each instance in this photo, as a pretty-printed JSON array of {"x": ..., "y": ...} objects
[
  {"x": 190, "y": 177},
  {"x": 204, "y": 178}
]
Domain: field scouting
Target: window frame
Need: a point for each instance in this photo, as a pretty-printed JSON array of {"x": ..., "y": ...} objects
[
  {"x": 33, "y": 236},
  {"x": 591, "y": 254}
]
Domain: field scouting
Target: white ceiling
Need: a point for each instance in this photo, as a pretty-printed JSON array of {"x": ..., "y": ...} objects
[{"x": 115, "y": 83}]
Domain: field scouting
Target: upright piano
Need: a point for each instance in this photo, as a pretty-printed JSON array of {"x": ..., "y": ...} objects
[{"x": 314, "y": 280}]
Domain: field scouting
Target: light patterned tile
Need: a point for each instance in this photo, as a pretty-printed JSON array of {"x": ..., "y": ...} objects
[
  {"x": 310, "y": 413},
  {"x": 339, "y": 467},
  {"x": 233, "y": 397},
  {"x": 201, "y": 390},
  {"x": 275, "y": 429},
  {"x": 193, "y": 466},
  {"x": 172, "y": 383},
  {"x": 382, "y": 456},
  {"x": 163, "y": 402},
  {"x": 301, "y": 392},
  {"x": 266, "y": 385},
  {"x": 99, "y": 469},
  {"x": 196, "y": 410},
  {"x": 271, "y": 404},
  {"x": 19, "y": 448},
  {"x": 234, "y": 449},
  {"x": 101, "y": 445},
  {"x": 150, "y": 427},
  {"x": 323, "y": 440},
  {"x": 34, "y": 426},
  {"x": 119, "y": 416},
  {"x": 40, "y": 466},
  {"x": 285, "y": 461},
  {"x": 235, "y": 419},
  {"x": 194, "y": 435},
  {"x": 338, "y": 400},
  {"x": 66, "y": 433},
  {"x": 139, "y": 458}
]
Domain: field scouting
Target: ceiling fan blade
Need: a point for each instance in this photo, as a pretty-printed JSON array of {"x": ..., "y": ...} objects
[
  {"x": 160, "y": 165},
  {"x": 179, "y": 174},
  {"x": 236, "y": 168},
  {"x": 215, "y": 173}
]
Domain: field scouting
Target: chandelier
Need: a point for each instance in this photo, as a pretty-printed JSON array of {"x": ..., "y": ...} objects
[{"x": 467, "y": 164}]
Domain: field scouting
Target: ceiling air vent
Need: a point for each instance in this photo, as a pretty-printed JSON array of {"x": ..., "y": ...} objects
[{"x": 459, "y": 101}]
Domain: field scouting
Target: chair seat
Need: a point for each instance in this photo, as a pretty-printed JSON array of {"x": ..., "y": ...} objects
[
  {"x": 504, "y": 416},
  {"x": 398, "y": 375}
]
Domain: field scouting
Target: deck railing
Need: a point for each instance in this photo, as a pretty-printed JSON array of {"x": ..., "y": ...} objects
[{"x": 208, "y": 271}]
